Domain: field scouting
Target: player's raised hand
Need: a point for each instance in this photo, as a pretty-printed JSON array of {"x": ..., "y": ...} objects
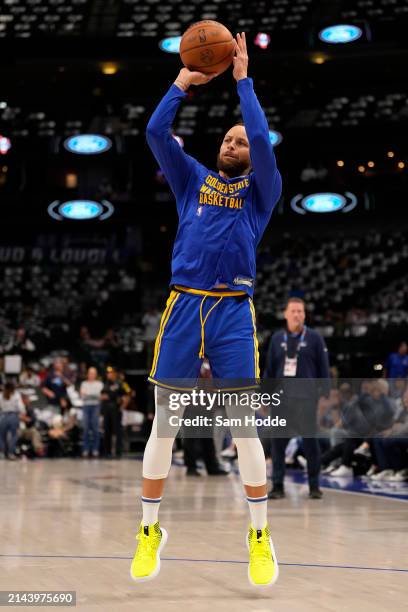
[
  {"x": 188, "y": 77},
  {"x": 240, "y": 60}
]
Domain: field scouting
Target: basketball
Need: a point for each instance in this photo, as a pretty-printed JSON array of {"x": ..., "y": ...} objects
[{"x": 207, "y": 46}]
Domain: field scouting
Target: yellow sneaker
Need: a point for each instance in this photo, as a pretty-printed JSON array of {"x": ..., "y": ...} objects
[
  {"x": 146, "y": 562},
  {"x": 263, "y": 569}
]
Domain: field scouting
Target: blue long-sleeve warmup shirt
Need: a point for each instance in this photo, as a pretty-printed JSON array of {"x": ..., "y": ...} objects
[{"x": 221, "y": 221}]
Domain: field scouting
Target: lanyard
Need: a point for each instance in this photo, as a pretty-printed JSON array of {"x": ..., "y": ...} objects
[{"x": 299, "y": 345}]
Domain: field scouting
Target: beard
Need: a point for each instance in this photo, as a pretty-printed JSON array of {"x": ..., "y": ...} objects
[{"x": 232, "y": 167}]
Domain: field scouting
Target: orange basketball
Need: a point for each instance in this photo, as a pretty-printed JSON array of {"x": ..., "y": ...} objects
[{"x": 207, "y": 46}]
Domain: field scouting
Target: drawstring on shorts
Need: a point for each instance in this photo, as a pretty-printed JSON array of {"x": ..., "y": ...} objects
[{"x": 203, "y": 322}]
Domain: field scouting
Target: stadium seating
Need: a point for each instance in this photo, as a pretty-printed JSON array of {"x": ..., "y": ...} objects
[
  {"x": 209, "y": 111},
  {"x": 374, "y": 10},
  {"x": 150, "y": 18},
  {"x": 28, "y": 18}
]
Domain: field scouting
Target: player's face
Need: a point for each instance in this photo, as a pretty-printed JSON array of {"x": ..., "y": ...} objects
[
  {"x": 295, "y": 315},
  {"x": 233, "y": 158}
]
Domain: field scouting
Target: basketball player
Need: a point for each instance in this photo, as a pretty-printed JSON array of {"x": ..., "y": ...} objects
[{"x": 222, "y": 217}]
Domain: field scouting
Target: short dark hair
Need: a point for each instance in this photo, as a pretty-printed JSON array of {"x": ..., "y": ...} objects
[{"x": 296, "y": 300}]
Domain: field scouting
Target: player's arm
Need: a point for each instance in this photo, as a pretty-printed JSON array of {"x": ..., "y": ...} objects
[
  {"x": 267, "y": 177},
  {"x": 173, "y": 161}
]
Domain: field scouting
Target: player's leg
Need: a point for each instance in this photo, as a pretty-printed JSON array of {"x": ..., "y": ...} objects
[
  {"x": 156, "y": 466},
  {"x": 175, "y": 359},
  {"x": 263, "y": 567},
  {"x": 233, "y": 353}
]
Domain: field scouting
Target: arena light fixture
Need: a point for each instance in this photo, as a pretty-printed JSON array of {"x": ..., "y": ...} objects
[
  {"x": 262, "y": 40},
  {"x": 88, "y": 144},
  {"x": 109, "y": 68},
  {"x": 5, "y": 145},
  {"x": 80, "y": 210},
  {"x": 171, "y": 44},
  {"x": 275, "y": 137},
  {"x": 318, "y": 58},
  {"x": 325, "y": 202},
  {"x": 340, "y": 34}
]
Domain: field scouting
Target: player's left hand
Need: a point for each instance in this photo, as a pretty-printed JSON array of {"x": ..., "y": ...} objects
[{"x": 240, "y": 60}]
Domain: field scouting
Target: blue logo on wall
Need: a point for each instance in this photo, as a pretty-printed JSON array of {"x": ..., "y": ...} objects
[
  {"x": 87, "y": 144},
  {"x": 340, "y": 34},
  {"x": 275, "y": 137},
  {"x": 324, "y": 203},
  {"x": 80, "y": 210},
  {"x": 170, "y": 45}
]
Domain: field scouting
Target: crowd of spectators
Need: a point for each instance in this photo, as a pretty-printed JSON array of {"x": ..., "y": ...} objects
[
  {"x": 363, "y": 424},
  {"x": 66, "y": 410},
  {"x": 365, "y": 430}
]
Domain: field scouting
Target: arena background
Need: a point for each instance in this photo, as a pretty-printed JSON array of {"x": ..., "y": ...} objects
[{"x": 81, "y": 289}]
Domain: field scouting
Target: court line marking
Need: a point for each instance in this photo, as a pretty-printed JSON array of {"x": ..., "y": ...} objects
[
  {"x": 321, "y": 565},
  {"x": 366, "y": 494}
]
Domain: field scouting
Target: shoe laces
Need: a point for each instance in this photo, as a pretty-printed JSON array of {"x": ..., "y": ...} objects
[
  {"x": 261, "y": 548},
  {"x": 147, "y": 544}
]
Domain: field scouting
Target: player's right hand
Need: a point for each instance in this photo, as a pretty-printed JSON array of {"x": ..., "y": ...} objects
[{"x": 188, "y": 77}]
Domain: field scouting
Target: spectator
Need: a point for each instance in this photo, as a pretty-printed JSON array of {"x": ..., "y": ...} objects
[
  {"x": 90, "y": 392},
  {"x": 28, "y": 378},
  {"x": 21, "y": 344},
  {"x": 11, "y": 406},
  {"x": 115, "y": 399},
  {"x": 370, "y": 413},
  {"x": 55, "y": 386},
  {"x": 63, "y": 435},
  {"x": 330, "y": 412},
  {"x": 70, "y": 372},
  {"x": 29, "y": 432},
  {"x": 391, "y": 450},
  {"x": 398, "y": 386},
  {"x": 396, "y": 365}
]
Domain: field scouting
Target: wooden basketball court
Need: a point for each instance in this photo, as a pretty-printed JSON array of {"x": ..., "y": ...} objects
[{"x": 70, "y": 525}]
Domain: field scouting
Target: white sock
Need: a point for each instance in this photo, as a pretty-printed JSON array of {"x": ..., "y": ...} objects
[
  {"x": 150, "y": 510},
  {"x": 257, "y": 508}
]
